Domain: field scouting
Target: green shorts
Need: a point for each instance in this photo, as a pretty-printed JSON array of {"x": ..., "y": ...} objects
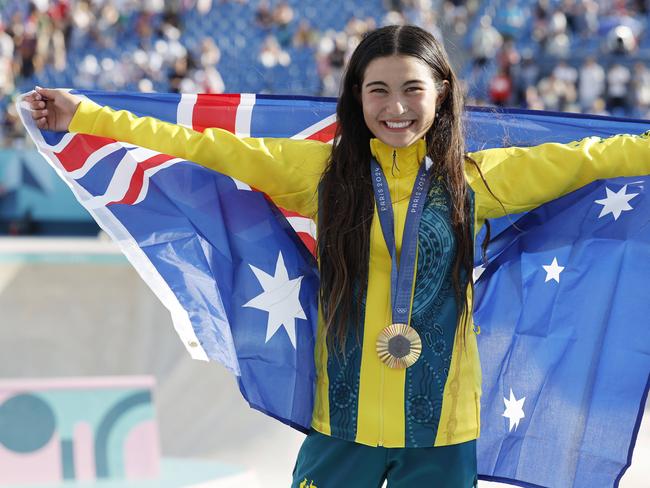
[{"x": 328, "y": 462}]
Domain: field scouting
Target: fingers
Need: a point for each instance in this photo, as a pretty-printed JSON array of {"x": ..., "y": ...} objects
[
  {"x": 39, "y": 114},
  {"x": 35, "y": 100},
  {"x": 45, "y": 93},
  {"x": 42, "y": 123},
  {"x": 35, "y": 104}
]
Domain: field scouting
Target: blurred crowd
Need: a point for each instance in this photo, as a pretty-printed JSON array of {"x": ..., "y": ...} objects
[
  {"x": 569, "y": 55},
  {"x": 572, "y": 55},
  {"x": 58, "y": 41}
]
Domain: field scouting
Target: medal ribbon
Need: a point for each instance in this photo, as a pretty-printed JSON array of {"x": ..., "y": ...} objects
[{"x": 401, "y": 276}]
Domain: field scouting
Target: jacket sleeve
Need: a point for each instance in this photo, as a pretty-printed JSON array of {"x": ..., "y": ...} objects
[
  {"x": 523, "y": 178},
  {"x": 287, "y": 170}
]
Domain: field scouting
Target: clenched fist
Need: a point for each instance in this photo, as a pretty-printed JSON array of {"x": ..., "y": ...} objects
[{"x": 52, "y": 109}]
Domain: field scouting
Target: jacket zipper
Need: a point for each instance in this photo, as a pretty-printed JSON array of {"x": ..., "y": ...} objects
[{"x": 383, "y": 367}]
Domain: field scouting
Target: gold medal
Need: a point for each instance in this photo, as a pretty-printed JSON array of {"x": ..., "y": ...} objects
[{"x": 399, "y": 346}]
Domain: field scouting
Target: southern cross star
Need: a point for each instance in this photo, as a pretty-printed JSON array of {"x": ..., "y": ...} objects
[
  {"x": 553, "y": 271},
  {"x": 280, "y": 299},
  {"x": 514, "y": 410},
  {"x": 615, "y": 203}
]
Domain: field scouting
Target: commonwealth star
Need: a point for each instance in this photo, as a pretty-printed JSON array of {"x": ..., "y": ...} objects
[
  {"x": 280, "y": 298},
  {"x": 616, "y": 203}
]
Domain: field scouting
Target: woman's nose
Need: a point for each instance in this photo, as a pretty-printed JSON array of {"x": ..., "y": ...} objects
[{"x": 396, "y": 106}]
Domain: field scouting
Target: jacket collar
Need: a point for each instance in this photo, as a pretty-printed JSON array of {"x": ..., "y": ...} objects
[{"x": 407, "y": 159}]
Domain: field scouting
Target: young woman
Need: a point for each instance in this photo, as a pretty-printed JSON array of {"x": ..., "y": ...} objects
[{"x": 398, "y": 203}]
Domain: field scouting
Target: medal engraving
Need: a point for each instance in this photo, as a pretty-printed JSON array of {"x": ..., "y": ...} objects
[{"x": 399, "y": 346}]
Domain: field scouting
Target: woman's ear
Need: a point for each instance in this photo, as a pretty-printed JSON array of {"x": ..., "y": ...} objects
[{"x": 442, "y": 94}]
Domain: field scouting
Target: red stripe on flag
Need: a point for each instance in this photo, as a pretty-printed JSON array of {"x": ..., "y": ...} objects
[
  {"x": 205, "y": 116},
  {"x": 135, "y": 186},
  {"x": 74, "y": 155},
  {"x": 308, "y": 241},
  {"x": 287, "y": 213},
  {"x": 326, "y": 134},
  {"x": 305, "y": 237}
]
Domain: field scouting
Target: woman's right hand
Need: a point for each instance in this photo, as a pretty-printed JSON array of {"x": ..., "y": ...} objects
[{"x": 52, "y": 109}]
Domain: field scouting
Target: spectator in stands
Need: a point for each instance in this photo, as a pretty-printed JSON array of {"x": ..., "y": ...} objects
[
  {"x": 24, "y": 32},
  {"x": 107, "y": 27},
  {"x": 305, "y": 35},
  {"x": 550, "y": 92},
  {"x": 567, "y": 76},
  {"x": 500, "y": 89},
  {"x": 618, "y": 78},
  {"x": 511, "y": 19},
  {"x": 333, "y": 53},
  {"x": 599, "y": 107},
  {"x": 532, "y": 99},
  {"x": 393, "y": 5},
  {"x": 272, "y": 54},
  {"x": 283, "y": 17},
  {"x": 59, "y": 23},
  {"x": 508, "y": 56},
  {"x": 621, "y": 40},
  {"x": 83, "y": 20},
  {"x": 485, "y": 42},
  {"x": 586, "y": 18},
  {"x": 591, "y": 85},
  {"x": 525, "y": 74},
  {"x": 565, "y": 73},
  {"x": 456, "y": 14},
  {"x": 393, "y": 18},
  {"x": 541, "y": 18},
  {"x": 557, "y": 44},
  {"x": 208, "y": 78},
  {"x": 264, "y": 15},
  {"x": 178, "y": 73},
  {"x": 641, "y": 90}
]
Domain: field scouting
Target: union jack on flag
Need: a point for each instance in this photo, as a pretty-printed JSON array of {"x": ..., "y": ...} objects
[{"x": 562, "y": 293}]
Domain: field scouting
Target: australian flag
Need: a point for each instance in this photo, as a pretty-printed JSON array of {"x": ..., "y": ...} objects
[{"x": 561, "y": 302}]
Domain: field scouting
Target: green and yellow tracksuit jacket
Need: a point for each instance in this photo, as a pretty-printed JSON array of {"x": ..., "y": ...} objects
[{"x": 436, "y": 401}]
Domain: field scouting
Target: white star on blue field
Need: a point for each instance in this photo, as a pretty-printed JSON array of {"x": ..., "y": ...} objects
[
  {"x": 616, "y": 202},
  {"x": 280, "y": 299}
]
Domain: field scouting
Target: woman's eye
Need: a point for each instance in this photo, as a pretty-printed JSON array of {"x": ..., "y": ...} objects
[
  {"x": 413, "y": 89},
  {"x": 377, "y": 90}
]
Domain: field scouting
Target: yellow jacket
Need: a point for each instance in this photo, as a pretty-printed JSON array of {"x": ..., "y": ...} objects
[{"x": 363, "y": 400}]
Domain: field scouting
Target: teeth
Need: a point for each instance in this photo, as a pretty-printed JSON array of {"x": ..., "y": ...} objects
[{"x": 398, "y": 125}]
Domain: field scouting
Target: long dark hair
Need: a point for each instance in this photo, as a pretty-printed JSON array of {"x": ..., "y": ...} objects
[{"x": 346, "y": 196}]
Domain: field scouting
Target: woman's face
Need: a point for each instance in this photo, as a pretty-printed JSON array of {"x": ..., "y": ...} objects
[{"x": 399, "y": 99}]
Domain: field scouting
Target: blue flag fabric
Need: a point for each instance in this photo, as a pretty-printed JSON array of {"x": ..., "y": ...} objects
[{"x": 565, "y": 342}]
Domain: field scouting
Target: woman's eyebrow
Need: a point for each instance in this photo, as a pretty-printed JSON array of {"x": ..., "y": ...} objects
[
  {"x": 412, "y": 81},
  {"x": 382, "y": 83}
]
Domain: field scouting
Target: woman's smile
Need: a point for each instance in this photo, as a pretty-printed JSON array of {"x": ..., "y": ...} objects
[{"x": 397, "y": 125}]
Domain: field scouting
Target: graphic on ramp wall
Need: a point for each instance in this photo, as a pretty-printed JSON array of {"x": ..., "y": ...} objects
[{"x": 80, "y": 429}]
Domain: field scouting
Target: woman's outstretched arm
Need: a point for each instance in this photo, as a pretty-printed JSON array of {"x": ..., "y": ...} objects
[
  {"x": 523, "y": 178},
  {"x": 286, "y": 170}
]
